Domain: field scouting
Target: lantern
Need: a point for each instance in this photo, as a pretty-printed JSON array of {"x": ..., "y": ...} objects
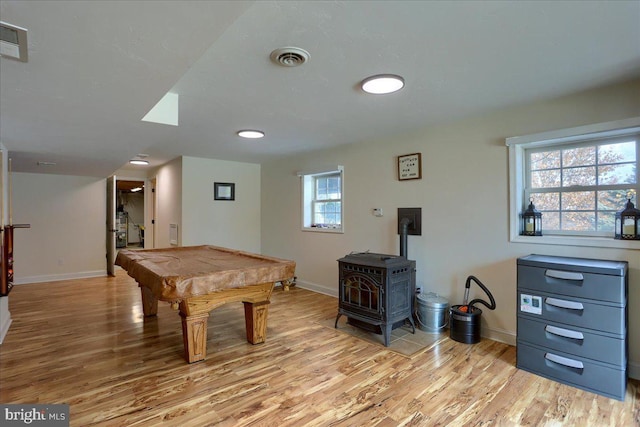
[
  {"x": 628, "y": 223},
  {"x": 531, "y": 221}
]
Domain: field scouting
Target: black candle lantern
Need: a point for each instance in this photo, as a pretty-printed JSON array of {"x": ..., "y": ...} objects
[
  {"x": 531, "y": 221},
  {"x": 628, "y": 223}
]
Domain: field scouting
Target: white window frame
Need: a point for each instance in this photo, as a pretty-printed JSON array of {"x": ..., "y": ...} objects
[
  {"x": 307, "y": 196},
  {"x": 517, "y": 146}
]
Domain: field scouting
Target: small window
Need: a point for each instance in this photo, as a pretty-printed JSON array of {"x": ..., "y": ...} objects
[
  {"x": 579, "y": 187},
  {"x": 578, "y": 178},
  {"x": 322, "y": 201}
]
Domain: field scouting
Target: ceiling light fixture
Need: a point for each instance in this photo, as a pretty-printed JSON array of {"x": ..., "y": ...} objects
[
  {"x": 138, "y": 162},
  {"x": 135, "y": 190},
  {"x": 382, "y": 84},
  {"x": 251, "y": 134}
]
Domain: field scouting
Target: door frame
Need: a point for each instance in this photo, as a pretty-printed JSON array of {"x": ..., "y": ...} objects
[{"x": 111, "y": 225}]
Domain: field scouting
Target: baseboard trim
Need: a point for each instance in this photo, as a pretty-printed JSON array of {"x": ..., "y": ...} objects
[
  {"x": 4, "y": 327},
  {"x": 58, "y": 277},
  {"x": 317, "y": 288},
  {"x": 500, "y": 335},
  {"x": 633, "y": 370}
]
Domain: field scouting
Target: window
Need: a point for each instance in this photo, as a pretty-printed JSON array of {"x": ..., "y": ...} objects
[
  {"x": 578, "y": 178},
  {"x": 579, "y": 187},
  {"x": 322, "y": 200}
]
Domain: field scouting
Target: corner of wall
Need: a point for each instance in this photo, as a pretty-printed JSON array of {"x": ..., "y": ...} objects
[{"x": 5, "y": 317}]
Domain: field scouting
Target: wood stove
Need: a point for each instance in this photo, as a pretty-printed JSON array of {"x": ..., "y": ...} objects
[{"x": 376, "y": 291}]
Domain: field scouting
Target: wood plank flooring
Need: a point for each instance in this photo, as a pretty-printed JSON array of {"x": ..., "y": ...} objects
[{"x": 85, "y": 343}]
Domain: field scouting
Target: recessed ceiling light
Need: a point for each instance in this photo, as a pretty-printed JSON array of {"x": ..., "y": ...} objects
[
  {"x": 138, "y": 162},
  {"x": 252, "y": 134},
  {"x": 382, "y": 84}
]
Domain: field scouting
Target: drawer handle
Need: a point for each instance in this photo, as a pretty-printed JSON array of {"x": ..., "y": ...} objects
[
  {"x": 566, "y": 333},
  {"x": 570, "y": 363},
  {"x": 564, "y": 275},
  {"x": 570, "y": 305}
]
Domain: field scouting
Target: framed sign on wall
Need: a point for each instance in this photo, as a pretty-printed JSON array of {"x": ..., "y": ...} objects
[
  {"x": 409, "y": 166},
  {"x": 224, "y": 191}
]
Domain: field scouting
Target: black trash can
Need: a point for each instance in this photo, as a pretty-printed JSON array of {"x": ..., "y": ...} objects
[
  {"x": 464, "y": 319},
  {"x": 464, "y": 327}
]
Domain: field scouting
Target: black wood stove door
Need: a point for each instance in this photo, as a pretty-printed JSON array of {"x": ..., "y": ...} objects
[{"x": 361, "y": 295}]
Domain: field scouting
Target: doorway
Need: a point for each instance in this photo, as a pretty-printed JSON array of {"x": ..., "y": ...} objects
[{"x": 130, "y": 214}]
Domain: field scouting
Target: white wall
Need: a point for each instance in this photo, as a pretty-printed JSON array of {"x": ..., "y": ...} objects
[
  {"x": 67, "y": 235},
  {"x": 465, "y": 169},
  {"x": 168, "y": 202},
  {"x": 232, "y": 224}
]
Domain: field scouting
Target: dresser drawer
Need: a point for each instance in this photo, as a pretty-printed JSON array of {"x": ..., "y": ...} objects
[
  {"x": 573, "y": 370},
  {"x": 572, "y": 311},
  {"x": 561, "y": 280},
  {"x": 573, "y": 340}
]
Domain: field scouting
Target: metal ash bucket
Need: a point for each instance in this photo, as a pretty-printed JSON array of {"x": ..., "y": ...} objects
[{"x": 432, "y": 312}]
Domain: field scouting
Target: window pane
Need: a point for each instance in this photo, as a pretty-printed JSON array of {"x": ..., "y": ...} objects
[
  {"x": 606, "y": 221},
  {"x": 581, "y": 156},
  {"x": 578, "y": 221},
  {"x": 545, "y": 179},
  {"x": 613, "y": 200},
  {"x": 327, "y": 213},
  {"x": 550, "y": 220},
  {"x": 578, "y": 200},
  {"x": 617, "y": 174},
  {"x": 579, "y": 176},
  {"x": 617, "y": 153},
  {"x": 546, "y": 201},
  {"x": 545, "y": 160},
  {"x": 328, "y": 188}
]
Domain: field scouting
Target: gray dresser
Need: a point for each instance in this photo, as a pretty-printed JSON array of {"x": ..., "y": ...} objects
[{"x": 572, "y": 321}]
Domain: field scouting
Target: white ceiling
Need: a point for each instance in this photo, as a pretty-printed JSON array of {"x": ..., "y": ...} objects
[{"x": 97, "y": 67}]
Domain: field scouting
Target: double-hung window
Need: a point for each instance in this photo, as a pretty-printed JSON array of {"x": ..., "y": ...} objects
[
  {"x": 322, "y": 200},
  {"x": 578, "y": 178}
]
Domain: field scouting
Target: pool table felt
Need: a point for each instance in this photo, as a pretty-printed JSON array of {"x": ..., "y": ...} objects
[{"x": 174, "y": 274}]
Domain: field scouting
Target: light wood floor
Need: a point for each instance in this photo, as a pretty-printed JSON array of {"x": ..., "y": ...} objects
[{"x": 85, "y": 343}]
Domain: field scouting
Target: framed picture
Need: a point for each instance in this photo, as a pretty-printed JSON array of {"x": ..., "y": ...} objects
[
  {"x": 409, "y": 166},
  {"x": 224, "y": 191}
]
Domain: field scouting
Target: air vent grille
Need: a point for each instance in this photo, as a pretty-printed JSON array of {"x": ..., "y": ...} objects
[{"x": 290, "y": 56}]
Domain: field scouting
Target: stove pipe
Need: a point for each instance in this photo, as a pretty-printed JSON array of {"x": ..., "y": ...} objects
[{"x": 404, "y": 233}]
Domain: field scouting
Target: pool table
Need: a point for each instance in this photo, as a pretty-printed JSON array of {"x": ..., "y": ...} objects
[{"x": 197, "y": 279}]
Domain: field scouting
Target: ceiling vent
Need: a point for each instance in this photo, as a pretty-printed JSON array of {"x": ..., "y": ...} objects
[
  {"x": 289, "y": 56},
  {"x": 13, "y": 42}
]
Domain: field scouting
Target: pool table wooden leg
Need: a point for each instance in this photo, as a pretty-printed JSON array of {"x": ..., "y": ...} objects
[
  {"x": 255, "y": 318},
  {"x": 149, "y": 302},
  {"x": 194, "y": 335}
]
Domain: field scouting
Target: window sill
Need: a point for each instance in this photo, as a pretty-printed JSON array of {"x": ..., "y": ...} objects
[
  {"x": 597, "y": 242},
  {"x": 324, "y": 230}
]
